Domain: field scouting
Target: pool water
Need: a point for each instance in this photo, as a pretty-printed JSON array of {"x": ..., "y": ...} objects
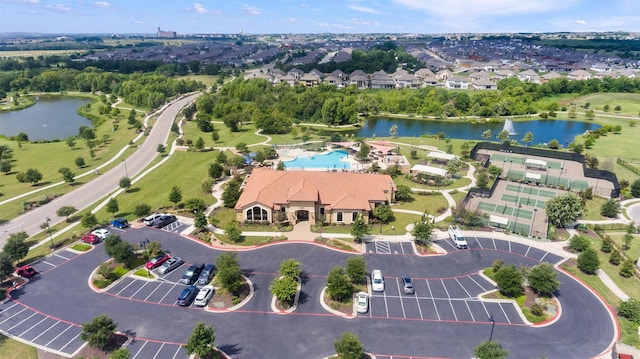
[{"x": 331, "y": 160}]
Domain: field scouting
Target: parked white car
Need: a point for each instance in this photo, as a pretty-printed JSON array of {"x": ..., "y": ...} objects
[
  {"x": 362, "y": 302},
  {"x": 148, "y": 221},
  {"x": 101, "y": 233},
  {"x": 203, "y": 296},
  {"x": 456, "y": 235},
  {"x": 377, "y": 281}
]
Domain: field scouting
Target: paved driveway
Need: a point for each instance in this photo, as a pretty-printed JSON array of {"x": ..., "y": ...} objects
[{"x": 443, "y": 319}]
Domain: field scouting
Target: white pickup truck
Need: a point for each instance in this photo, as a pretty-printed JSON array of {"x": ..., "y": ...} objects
[{"x": 455, "y": 233}]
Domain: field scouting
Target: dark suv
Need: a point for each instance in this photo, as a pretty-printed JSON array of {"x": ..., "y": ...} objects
[
  {"x": 407, "y": 285},
  {"x": 207, "y": 274},
  {"x": 187, "y": 296},
  {"x": 191, "y": 274}
]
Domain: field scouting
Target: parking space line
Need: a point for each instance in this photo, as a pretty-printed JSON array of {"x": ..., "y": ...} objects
[
  {"x": 22, "y": 321},
  {"x": 449, "y": 299},
  {"x": 153, "y": 291},
  {"x": 69, "y": 342},
  {"x": 23, "y": 309},
  {"x": 63, "y": 257},
  {"x": 402, "y": 248},
  {"x": 528, "y": 249},
  {"x": 545, "y": 254},
  {"x": 463, "y": 288},
  {"x": 51, "y": 264},
  {"x": 485, "y": 309},
  {"x": 177, "y": 351},
  {"x": 510, "y": 251},
  {"x": 384, "y": 295},
  {"x": 14, "y": 304},
  {"x": 469, "y": 309},
  {"x": 494, "y": 243},
  {"x": 139, "y": 350},
  {"x": 33, "y": 326},
  {"x": 59, "y": 334},
  {"x": 169, "y": 291},
  {"x": 419, "y": 309},
  {"x": 480, "y": 244},
  {"x": 432, "y": 299},
  {"x": 48, "y": 329},
  {"x": 404, "y": 315},
  {"x": 139, "y": 289},
  {"x": 127, "y": 286},
  {"x": 158, "y": 352},
  {"x": 503, "y": 312},
  {"x": 478, "y": 284}
]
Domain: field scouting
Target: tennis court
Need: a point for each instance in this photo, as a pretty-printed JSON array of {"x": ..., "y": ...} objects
[
  {"x": 520, "y": 160},
  {"x": 532, "y": 191},
  {"x": 525, "y": 201},
  {"x": 506, "y": 210}
]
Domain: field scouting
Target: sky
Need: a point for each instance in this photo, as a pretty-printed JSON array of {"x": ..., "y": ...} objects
[{"x": 318, "y": 16}]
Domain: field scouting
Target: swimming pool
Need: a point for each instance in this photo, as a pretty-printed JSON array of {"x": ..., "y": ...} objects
[{"x": 331, "y": 160}]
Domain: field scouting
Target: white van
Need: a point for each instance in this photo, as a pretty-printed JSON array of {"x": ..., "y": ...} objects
[
  {"x": 377, "y": 282},
  {"x": 455, "y": 233}
]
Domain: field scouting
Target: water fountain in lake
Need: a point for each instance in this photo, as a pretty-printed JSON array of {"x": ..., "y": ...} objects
[{"x": 508, "y": 126}]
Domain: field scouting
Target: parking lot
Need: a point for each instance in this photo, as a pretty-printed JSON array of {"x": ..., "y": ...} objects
[{"x": 386, "y": 247}]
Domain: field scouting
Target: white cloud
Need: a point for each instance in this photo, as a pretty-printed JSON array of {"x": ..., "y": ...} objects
[
  {"x": 252, "y": 11},
  {"x": 102, "y": 4},
  {"x": 581, "y": 22},
  {"x": 335, "y": 26},
  {"x": 611, "y": 23},
  {"x": 368, "y": 10},
  {"x": 59, "y": 8},
  {"x": 199, "y": 8}
]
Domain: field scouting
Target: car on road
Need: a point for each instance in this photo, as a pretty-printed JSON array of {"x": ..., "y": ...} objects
[
  {"x": 362, "y": 302},
  {"x": 207, "y": 274},
  {"x": 119, "y": 223},
  {"x": 102, "y": 233},
  {"x": 377, "y": 281},
  {"x": 164, "y": 220},
  {"x": 407, "y": 285},
  {"x": 148, "y": 220},
  {"x": 157, "y": 261},
  {"x": 204, "y": 295},
  {"x": 169, "y": 265},
  {"x": 26, "y": 271},
  {"x": 187, "y": 296},
  {"x": 192, "y": 273},
  {"x": 90, "y": 238}
]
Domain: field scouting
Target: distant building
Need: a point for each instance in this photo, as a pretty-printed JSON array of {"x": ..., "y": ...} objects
[{"x": 167, "y": 34}]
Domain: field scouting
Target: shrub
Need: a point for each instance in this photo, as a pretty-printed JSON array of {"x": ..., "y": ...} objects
[
  {"x": 579, "y": 243},
  {"x": 615, "y": 258},
  {"x": 509, "y": 280},
  {"x": 627, "y": 269},
  {"x": 542, "y": 279},
  {"x": 607, "y": 245},
  {"x": 497, "y": 264},
  {"x": 537, "y": 309},
  {"x": 588, "y": 261},
  {"x": 630, "y": 309}
]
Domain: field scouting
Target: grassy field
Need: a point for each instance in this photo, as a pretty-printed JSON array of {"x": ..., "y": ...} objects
[
  {"x": 429, "y": 202},
  {"x": 629, "y": 103},
  {"x": 227, "y": 138},
  {"x": 13, "y": 349},
  {"x": 592, "y": 210},
  {"x": 36, "y": 53},
  {"x": 208, "y": 80}
]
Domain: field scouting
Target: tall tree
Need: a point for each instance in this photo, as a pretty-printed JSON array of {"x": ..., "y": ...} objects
[
  {"x": 98, "y": 331},
  {"x": 112, "y": 206},
  {"x": 490, "y": 350},
  {"x": 359, "y": 228},
  {"x": 564, "y": 209},
  {"x": 66, "y": 211},
  {"x": 202, "y": 340},
  {"x": 422, "y": 230},
  {"x": 175, "y": 196},
  {"x": 15, "y": 247},
  {"x": 349, "y": 346},
  {"x": 125, "y": 183}
]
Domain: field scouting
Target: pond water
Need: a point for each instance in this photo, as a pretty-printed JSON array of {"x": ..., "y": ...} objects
[
  {"x": 48, "y": 119},
  {"x": 331, "y": 160},
  {"x": 543, "y": 130}
]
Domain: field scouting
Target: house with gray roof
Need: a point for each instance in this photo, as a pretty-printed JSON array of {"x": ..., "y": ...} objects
[
  {"x": 456, "y": 82},
  {"x": 408, "y": 81},
  {"x": 484, "y": 83},
  {"x": 381, "y": 80}
]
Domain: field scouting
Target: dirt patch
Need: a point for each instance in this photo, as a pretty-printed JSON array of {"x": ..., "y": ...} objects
[
  {"x": 283, "y": 305},
  {"x": 115, "y": 342},
  {"x": 346, "y": 308},
  {"x": 425, "y": 250},
  {"x": 222, "y": 299}
]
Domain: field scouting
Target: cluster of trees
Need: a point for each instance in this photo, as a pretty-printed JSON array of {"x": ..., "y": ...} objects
[
  {"x": 341, "y": 281},
  {"x": 285, "y": 287},
  {"x": 13, "y": 251},
  {"x": 229, "y": 275},
  {"x": 541, "y": 278}
]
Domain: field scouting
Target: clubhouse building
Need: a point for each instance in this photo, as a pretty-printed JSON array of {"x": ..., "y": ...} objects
[{"x": 339, "y": 197}]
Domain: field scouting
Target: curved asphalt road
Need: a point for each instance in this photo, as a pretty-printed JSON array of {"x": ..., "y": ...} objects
[
  {"x": 584, "y": 330},
  {"x": 101, "y": 185}
]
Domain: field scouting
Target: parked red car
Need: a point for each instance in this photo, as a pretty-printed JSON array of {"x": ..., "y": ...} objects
[
  {"x": 26, "y": 271},
  {"x": 157, "y": 261},
  {"x": 90, "y": 238}
]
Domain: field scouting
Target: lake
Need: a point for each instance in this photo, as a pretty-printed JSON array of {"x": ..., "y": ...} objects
[
  {"x": 543, "y": 130},
  {"x": 49, "y": 119}
]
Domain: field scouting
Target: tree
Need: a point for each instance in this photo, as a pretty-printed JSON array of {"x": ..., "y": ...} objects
[
  {"x": 422, "y": 230},
  {"x": 6, "y": 266},
  {"x": 626, "y": 270},
  {"x": 98, "y": 331},
  {"x": 607, "y": 245},
  {"x": 509, "y": 280},
  {"x": 80, "y": 162},
  {"x": 542, "y": 279},
  {"x": 229, "y": 271},
  {"x": 554, "y": 144},
  {"x": 120, "y": 353},
  {"x": 22, "y": 137},
  {"x": 242, "y": 147},
  {"x": 359, "y": 228},
  {"x": 635, "y": 188},
  {"x": 564, "y": 209},
  {"x": 528, "y": 138},
  {"x": 579, "y": 243},
  {"x": 215, "y": 170},
  {"x": 32, "y": 175},
  {"x": 486, "y": 135},
  {"x": 88, "y": 220},
  {"x": 578, "y": 148},
  {"x": 339, "y": 287},
  {"x": 363, "y": 154},
  {"x": 66, "y": 211},
  {"x": 393, "y": 132},
  {"x": 15, "y": 247},
  {"x": 482, "y": 180},
  {"x": 588, "y": 261},
  {"x": 71, "y": 142},
  {"x": 290, "y": 268},
  {"x": 161, "y": 148},
  {"x": 142, "y": 210},
  {"x": 232, "y": 192},
  {"x": 195, "y": 205},
  {"x": 200, "y": 220},
  {"x": 175, "y": 196},
  {"x": 202, "y": 340},
  {"x": 112, "y": 206},
  {"x": 630, "y": 309},
  {"x": 348, "y": 346},
  {"x": 125, "y": 183},
  {"x": 199, "y": 144},
  {"x": 610, "y": 208},
  {"x": 234, "y": 233},
  {"x": 67, "y": 175},
  {"x": 615, "y": 258},
  {"x": 383, "y": 213},
  {"x": 490, "y": 350},
  {"x": 403, "y": 192},
  {"x": 356, "y": 269},
  {"x": 503, "y": 136},
  {"x": 284, "y": 288},
  {"x": 5, "y": 167},
  {"x": 215, "y": 136}
]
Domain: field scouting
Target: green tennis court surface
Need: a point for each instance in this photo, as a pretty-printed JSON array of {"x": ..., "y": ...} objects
[
  {"x": 520, "y": 160},
  {"x": 532, "y": 191},
  {"x": 506, "y": 210}
]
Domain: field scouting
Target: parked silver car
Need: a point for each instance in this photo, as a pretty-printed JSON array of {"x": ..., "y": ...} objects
[{"x": 170, "y": 265}]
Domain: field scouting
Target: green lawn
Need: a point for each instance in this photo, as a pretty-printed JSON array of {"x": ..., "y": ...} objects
[
  {"x": 592, "y": 210},
  {"x": 629, "y": 102},
  {"x": 186, "y": 170},
  {"x": 429, "y": 202},
  {"x": 208, "y": 80},
  {"x": 407, "y": 182},
  {"x": 227, "y": 138},
  {"x": 13, "y": 349}
]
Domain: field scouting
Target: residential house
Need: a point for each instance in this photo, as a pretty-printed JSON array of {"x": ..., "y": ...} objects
[
  {"x": 504, "y": 74},
  {"x": 289, "y": 80},
  {"x": 550, "y": 76},
  {"x": 408, "y": 81},
  {"x": 333, "y": 80},
  {"x": 456, "y": 82},
  {"x": 529, "y": 76},
  {"x": 579, "y": 75},
  {"x": 336, "y": 197},
  {"x": 381, "y": 80},
  {"x": 484, "y": 83},
  {"x": 443, "y": 74},
  {"x": 431, "y": 81},
  {"x": 296, "y": 73},
  {"x": 359, "y": 78},
  {"x": 422, "y": 73},
  {"x": 309, "y": 80},
  {"x": 339, "y": 74}
]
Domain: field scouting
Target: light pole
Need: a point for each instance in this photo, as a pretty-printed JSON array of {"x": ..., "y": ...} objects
[
  {"x": 533, "y": 221},
  {"x": 560, "y": 177},
  {"x": 126, "y": 173},
  {"x": 144, "y": 245},
  {"x": 49, "y": 230},
  {"x": 493, "y": 324}
]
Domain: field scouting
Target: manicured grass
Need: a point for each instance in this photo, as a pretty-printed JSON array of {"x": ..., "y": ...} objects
[
  {"x": 81, "y": 247},
  {"x": 592, "y": 210},
  {"x": 458, "y": 196},
  {"x": 628, "y": 332},
  {"x": 407, "y": 182},
  {"x": 186, "y": 170},
  {"x": 250, "y": 240},
  {"x": 208, "y": 80},
  {"x": 143, "y": 272},
  {"x": 13, "y": 349},
  {"x": 427, "y": 202},
  {"x": 227, "y": 138},
  {"x": 629, "y": 102},
  {"x": 223, "y": 217},
  {"x": 594, "y": 282}
]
